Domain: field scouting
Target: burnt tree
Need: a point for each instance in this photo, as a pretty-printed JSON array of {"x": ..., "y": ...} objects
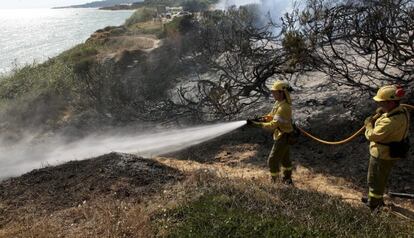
[{"x": 361, "y": 43}]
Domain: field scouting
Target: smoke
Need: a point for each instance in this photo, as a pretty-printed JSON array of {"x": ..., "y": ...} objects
[
  {"x": 25, "y": 155},
  {"x": 225, "y": 4},
  {"x": 275, "y": 8}
]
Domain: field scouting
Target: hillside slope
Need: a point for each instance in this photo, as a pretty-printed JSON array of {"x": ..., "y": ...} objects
[{"x": 219, "y": 188}]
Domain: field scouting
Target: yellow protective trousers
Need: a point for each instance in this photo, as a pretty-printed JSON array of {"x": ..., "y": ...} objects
[
  {"x": 378, "y": 172},
  {"x": 280, "y": 157}
]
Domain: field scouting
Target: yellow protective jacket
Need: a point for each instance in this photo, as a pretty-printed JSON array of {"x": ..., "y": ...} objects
[
  {"x": 389, "y": 127},
  {"x": 279, "y": 119}
]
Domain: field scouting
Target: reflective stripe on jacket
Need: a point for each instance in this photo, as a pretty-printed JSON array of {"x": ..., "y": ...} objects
[
  {"x": 389, "y": 127},
  {"x": 281, "y": 121}
]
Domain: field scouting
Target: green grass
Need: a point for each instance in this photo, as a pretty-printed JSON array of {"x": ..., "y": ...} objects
[
  {"x": 33, "y": 79},
  {"x": 39, "y": 93},
  {"x": 79, "y": 53},
  {"x": 257, "y": 210},
  {"x": 217, "y": 216},
  {"x": 56, "y": 75}
]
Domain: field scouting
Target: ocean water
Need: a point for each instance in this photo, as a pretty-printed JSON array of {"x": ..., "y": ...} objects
[{"x": 34, "y": 35}]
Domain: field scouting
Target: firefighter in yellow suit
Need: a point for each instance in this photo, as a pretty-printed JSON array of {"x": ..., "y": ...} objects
[
  {"x": 279, "y": 120},
  {"x": 390, "y": 124}
]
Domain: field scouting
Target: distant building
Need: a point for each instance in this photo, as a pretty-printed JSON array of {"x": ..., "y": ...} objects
[
  {"x": 174, "y": 10},
  {"x": 170, "y": 12}
]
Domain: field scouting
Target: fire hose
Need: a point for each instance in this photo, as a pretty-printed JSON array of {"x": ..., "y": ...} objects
[
  {"x": 392, "y": 194},
  {"x": 332, "y": 142},
  {"x": 344, "y": 140},
  {"x": 401, "y": 195}
]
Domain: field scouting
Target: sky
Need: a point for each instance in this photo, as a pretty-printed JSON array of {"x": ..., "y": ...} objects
[{"x": 11, "y": 4}]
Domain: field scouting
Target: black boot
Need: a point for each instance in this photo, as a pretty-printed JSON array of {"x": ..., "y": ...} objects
[
  {"x": 287, "y": 181},
  {"x": 287, "y": 178},
  {"x": 375, "y": 203},
  {"x": 364, "y": 200}
]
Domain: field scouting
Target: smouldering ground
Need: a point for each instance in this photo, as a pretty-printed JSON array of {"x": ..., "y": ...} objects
[{"x": 121, "y": 195}]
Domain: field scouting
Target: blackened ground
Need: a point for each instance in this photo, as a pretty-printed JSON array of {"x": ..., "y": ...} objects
[{"x": 121, "y": 176}]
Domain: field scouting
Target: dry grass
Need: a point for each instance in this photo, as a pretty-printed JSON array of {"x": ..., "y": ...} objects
[
  {"x": 131, "y": 43},
  {"x": 211, "y": 206},
  {"x": 225, "y": 197},
  {"x": 304, "y": 178},
  {"x": 148, "y": 27},
  {"x": 102, "y": 218},
  {"x": 117, "y": 47}
]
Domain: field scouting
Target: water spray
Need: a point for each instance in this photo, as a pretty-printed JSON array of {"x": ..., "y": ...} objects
[{"x": 25, "y": 156}]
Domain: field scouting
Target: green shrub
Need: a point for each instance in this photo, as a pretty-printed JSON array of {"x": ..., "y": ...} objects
[
  {"x": 50, "y": 76},
  {"x": 197, "y": 5},
  {"x": 172, "y": 28},
  {"x": 82, "y": 66},
  {"x": 141, "y": 15},
  {"x": 79, "y": 53}
]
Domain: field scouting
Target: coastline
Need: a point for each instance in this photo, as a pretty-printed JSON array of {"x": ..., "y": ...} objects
[{"x": 48, "y": 40}]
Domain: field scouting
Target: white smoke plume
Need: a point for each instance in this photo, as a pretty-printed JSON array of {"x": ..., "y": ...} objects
[{"x": 276, "y": 8}]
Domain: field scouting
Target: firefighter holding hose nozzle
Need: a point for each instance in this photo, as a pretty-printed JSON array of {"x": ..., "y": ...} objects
[
  {"x": 387, "y": 132},
  {"x": 279, "y": 120}
]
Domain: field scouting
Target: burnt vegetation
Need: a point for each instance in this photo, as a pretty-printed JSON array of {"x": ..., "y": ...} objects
[
  {"x": 360, "y": 44},
  {"x": 235, "y": 52},
  {"x": 217, "y": 65},
  {"x": 363, "y": 44}
]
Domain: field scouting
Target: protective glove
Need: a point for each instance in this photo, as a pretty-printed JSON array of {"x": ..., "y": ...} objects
[
  {"x": 249, "y": 122},
  {"x": 379, "y": 111},
  {"x": 258, "y": 118},
  {"x": 369, "y": 121}
]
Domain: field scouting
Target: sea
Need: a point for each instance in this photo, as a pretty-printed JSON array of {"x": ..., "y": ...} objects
[{"x": 33, "y": 35}]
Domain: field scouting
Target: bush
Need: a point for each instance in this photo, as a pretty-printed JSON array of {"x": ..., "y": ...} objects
[
  {"x": 83, "y": 66},
  {"x": 141, "y": 15},
  {"x": 79, "y": 53},
  {"x": 52, "y": 75},
  {"x": 196, "y": 5},
  {"x": 35, "y": 96},
  {"x": 177, "y": 26}
]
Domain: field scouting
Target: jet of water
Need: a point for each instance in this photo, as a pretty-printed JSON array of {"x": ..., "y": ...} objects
[{"x": 24, "y": 156}]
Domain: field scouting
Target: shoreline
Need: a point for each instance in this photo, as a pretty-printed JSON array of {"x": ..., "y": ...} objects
[{"x": 50, "y": 48}]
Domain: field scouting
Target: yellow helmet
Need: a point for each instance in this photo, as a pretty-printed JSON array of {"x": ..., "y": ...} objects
[
  {"x": 282, "y": 86},
  {"x": 389, "y": 93},
  {"x": 279, "y": 85}
]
